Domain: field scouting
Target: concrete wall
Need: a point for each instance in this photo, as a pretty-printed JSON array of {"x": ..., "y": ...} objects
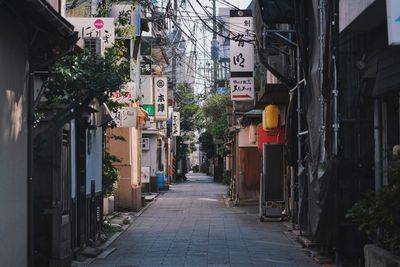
[
  {"x": 128, "y": 195},
  {"x": 13, "y": 141},
  {"x": 351, "y": 9}
]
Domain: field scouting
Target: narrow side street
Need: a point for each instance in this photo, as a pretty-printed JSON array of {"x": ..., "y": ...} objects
[{"x": 190, "y": 226}]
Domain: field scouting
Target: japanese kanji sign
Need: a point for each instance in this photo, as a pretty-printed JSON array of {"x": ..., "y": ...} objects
[
  {"x": 242, "y": 88},
  {"x": 125, "y": 117},
  {"x": 145, "y": 67},
  {"x": 176, "y": 123},
  {"x": 160, "y": 98},
  {"x": 241, "y": 55},
  {"x": 103, "y": 28},
  {"x": 146, "y": 89}
]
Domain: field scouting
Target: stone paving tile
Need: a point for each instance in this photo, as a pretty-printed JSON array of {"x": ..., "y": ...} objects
[{"x": 189, "y": 226}]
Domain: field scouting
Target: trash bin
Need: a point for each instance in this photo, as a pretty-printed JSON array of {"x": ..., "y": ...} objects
[{"x": 160, "y": 180}]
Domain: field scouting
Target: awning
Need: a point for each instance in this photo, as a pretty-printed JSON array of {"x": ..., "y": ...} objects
[{"x": 388, "y": 73}]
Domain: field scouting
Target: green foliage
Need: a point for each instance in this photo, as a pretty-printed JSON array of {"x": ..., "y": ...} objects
[
  {"x": 226, "y": 177},
  {"x": 110, "y": 174},
  {"x": 378, "y": 214},
  {"x": 223, "y": 151},
  {"x": 214, "y": 111},
  {"x": 206, "y": 144},
  {"x": 80, "y": 77},
  {"x": 187, "y": 104}
]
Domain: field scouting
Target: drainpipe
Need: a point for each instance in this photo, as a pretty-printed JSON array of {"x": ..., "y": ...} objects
[
  {"x": 321, "y": 37},
  {"x": 377, "y": 141},
  {"x": 30, "y": 173},
  {"x": 335, "y": 93},
  {"x": 299, "y": 111}
]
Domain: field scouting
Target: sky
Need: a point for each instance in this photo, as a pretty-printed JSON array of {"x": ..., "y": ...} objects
[{"x": 203, "y": 38}]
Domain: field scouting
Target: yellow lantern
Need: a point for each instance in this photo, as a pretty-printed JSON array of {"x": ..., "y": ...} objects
[{"x": 270, "y": 118}]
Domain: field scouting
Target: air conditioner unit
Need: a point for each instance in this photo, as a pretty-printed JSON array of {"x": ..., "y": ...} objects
[
  {"x": 145, "y": 143},
  {"x": 94, "y": 44}
]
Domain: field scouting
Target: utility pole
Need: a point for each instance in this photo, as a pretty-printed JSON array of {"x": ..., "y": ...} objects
[
  {"x": 174, "y": 162},
  {"x": 214, "y": 48}
]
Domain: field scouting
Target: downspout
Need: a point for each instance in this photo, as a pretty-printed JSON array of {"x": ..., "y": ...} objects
[
  {"x": 335, "y": 93},
  {"x": 31, "y": 261},
  {"x": 321, "y": 37},
  {"x": 377, "y": 141},
  {"x": 299, "y": 111}
]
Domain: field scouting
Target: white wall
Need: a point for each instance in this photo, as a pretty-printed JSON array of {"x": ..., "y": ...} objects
[
  {"x": 149, "y": 157},
  {"x": 13, "y": 141}
]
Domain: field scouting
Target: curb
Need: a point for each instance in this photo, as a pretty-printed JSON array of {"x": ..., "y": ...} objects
[{"x": 105, "y": 246}]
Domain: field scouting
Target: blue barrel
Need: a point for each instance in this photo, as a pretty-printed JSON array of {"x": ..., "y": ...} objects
[{"x": 160, "y": 180}]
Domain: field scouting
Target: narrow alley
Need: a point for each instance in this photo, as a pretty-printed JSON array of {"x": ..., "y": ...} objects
[{"x": 190, "y": 226}]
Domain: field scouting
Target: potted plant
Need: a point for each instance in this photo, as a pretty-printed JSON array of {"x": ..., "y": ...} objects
[{"x": 378, "y": 216}]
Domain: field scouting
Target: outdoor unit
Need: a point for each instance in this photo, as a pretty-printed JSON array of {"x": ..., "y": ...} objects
[
  {"x": 272, "y": 184},
  {"x": 94, "y": 44},
  {"x": 145, "y": 143}
]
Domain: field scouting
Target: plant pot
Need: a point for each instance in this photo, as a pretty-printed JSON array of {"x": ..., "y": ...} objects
[{"x": 377, "y": 256}]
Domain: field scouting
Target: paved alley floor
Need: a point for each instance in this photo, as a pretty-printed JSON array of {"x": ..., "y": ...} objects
[{"x": 190, "y": 226}]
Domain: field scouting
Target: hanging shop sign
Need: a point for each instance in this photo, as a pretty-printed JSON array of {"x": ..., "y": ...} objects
[
  {"x": 393, "y": 20},
  {"x": 176, "y": 124},
  {"x": 241, "y": 55},
  {"x": 242, "y": 89},
  {"x": 125, "y": 117},
  {"x": 126, "y": 95},
  {"x": 145, "y": 67},
  {"x": 146, "y": 89},
  {"x": 103, "y": 28},
  {"x": 160, "y": 98}
]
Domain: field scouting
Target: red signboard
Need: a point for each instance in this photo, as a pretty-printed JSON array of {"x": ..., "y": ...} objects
[{"x": 273, "y": 136}]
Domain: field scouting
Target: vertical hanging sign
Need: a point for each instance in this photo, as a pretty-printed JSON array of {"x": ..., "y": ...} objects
[
  {"x": 393, "y": 21},
  {"x": 176, "y": 123},
  {"x": 241, "y": 55},
  {"x": 160, "y": 98},
  {"x": 146, "y": 89}
]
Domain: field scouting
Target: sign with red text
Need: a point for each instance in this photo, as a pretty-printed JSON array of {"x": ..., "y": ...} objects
[{"x": 126, "y": 95}]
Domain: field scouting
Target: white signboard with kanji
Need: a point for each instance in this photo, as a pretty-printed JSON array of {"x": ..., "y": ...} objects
[
  {"x": 241, "y": 55},
  {"x": 125, "y": 117},
  {"x": 103, "y": 28},
  {"x": 393, "y": 20},
  {"x": 176, "y": 123},
  {"x": 146, "y": 89},
  {"x": 242, "y": 89},
  {"x": 160, "y": 98}
]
